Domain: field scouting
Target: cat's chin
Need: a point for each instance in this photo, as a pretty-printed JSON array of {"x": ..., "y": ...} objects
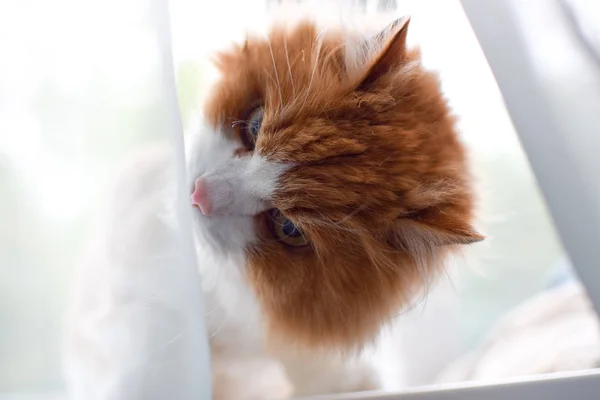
[{"x": 223, "y": 234}]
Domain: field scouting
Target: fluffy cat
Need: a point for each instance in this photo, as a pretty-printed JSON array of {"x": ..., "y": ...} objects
[
  {"x": 328, "y": 186},
  {"x": 330, "y": 171}
]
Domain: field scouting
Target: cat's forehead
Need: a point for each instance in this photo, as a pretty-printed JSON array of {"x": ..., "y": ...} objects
[
  {"x": 292, "y": 73},
  {"x": 318, "y": 117}
]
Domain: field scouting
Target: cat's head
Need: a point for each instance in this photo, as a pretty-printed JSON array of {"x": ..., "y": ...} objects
[{"x": 330, "y": 163}]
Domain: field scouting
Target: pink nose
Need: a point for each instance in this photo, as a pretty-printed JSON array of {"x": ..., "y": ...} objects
[{"x": 199, "y": 197}]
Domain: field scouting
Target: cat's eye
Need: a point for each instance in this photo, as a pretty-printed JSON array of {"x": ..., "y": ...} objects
[
  {"x": 251, "y": 128},
  {"x": 284, "y": 230}
]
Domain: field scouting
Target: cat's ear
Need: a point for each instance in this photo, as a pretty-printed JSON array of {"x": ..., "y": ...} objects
[
  {"x": 432, "y": 229},
  {"x": 386, "y": 51}
]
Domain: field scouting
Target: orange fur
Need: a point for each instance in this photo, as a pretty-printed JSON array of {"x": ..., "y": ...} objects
[{"x": 380, "y": 182}]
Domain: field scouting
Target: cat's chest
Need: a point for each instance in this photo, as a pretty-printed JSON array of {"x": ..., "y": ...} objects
[{"x": 232, "y": 311}]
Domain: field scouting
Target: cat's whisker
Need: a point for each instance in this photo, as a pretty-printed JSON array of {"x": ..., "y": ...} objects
[
  {"x": 350, "y": 215},
  {"x": 287, "y": 58},
  {"x": 212, "y": 335},
  {"x": 319, "y": 42},
  {"x": 169, "y": 342},
  {"x": 273, "y": 80},
  {"x": 212, "y": 313},
  {"x": 332, "y": 53},
  {"x": 239, "y": 122},
  {"x": 276, "y": 73},
  {"x": 327, "y": 222},
  {"x": 452, "y": 285}
]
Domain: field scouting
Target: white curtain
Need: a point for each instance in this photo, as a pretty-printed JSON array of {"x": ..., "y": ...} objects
[{"x": 83, "y": 86}]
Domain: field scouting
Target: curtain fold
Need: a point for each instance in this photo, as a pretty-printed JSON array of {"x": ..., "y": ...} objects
[{"x": 93, "y": 187}]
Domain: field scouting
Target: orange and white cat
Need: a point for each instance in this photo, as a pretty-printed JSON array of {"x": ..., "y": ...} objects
[{"x": 328, "y": 187}]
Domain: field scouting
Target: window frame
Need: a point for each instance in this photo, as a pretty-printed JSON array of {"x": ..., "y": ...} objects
[
  {"x": 557, "y": 157},
  {"x": 580, "y": 385}
]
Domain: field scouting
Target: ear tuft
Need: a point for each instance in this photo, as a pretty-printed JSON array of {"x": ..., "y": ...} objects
[
  {"x": 432, "y": 229},
  {"x": 391, "y": 51},
  {"x": 412, "y": 230}
]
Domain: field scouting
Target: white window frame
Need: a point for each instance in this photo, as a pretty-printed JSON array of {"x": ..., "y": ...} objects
[
  {"x": 582, "y": 385},
  {"x": 559, "y": 159}
]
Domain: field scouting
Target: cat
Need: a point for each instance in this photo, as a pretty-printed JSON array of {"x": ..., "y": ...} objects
[
  {"x": 328, "y": 185},
  {"x": 330, "y": 171}
]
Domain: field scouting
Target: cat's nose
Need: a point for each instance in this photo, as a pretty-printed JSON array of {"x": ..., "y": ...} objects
[{"x": 199, "y": 197}]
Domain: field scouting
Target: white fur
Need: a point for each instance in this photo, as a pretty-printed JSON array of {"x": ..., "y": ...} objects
[
  {"x": 207, "y": 150},
  {"x": 238, "y": 187},
  {"x": 242, "y": 185}
]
